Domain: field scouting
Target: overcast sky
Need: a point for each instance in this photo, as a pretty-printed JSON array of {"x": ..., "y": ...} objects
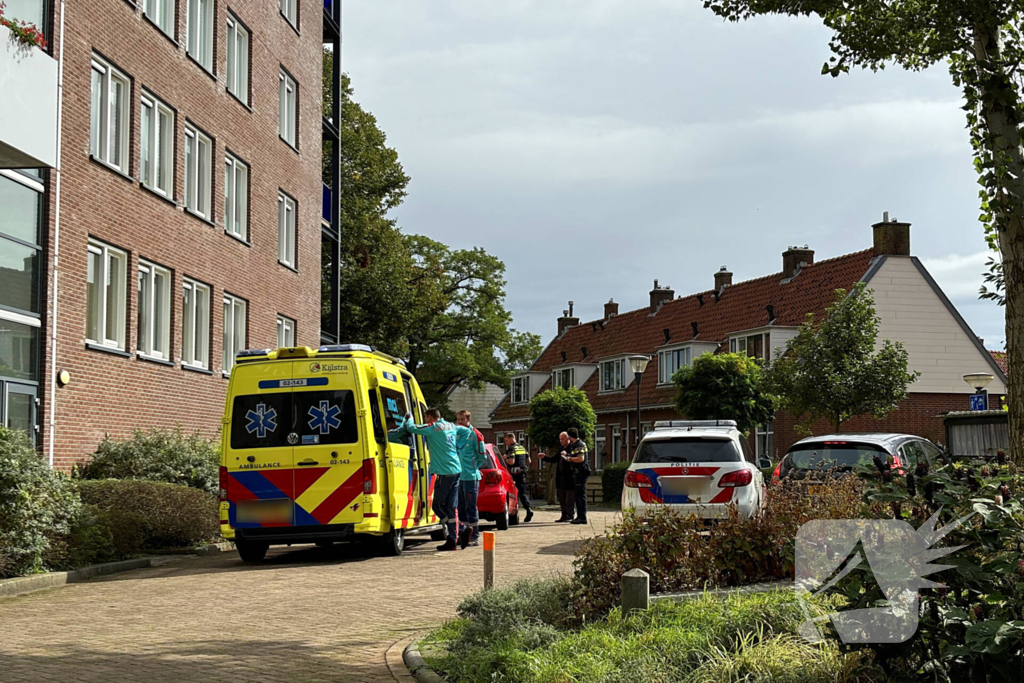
[{"x": 595, "y": 145}]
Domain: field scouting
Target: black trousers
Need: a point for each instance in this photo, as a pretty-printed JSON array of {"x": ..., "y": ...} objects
[
  {"x": 580, "y": 494},
  {"x": 524, "y": 497},
  {"x": 566, "y": 500}
]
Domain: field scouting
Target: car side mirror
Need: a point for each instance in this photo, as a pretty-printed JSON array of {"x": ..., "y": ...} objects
[{"x": 764, "y": 462}]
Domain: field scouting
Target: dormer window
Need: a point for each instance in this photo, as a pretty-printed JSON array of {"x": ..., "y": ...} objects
[
  {"x": 520, "y": 390},
  {"x": 753, "y": 345},
  {"x": 565, "y": 378},
  {"x": 670, "y": 361},
  {"x": 613, "y": 374}
]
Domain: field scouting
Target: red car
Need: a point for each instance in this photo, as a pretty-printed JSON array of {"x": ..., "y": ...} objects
[{"x": 498, "y": 501}]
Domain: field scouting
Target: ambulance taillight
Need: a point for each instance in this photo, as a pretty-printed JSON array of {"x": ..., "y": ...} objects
[
  {"x": 223, "y": 483},
  {"x": 369, "y": 476}
]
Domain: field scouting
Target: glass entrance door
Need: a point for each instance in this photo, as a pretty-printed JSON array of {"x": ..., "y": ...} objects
[{"x": 19, "y": 407}]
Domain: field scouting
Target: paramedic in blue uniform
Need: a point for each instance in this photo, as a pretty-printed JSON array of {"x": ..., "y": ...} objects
[
  {"x": 442, "y": 438},
  {"x": 473, "y": 456}
]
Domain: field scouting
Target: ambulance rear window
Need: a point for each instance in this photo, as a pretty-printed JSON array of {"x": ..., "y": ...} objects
[{"x": 309, "y": 418}]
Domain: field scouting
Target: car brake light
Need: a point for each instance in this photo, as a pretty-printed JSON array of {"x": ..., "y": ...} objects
[
  {"x": 223, "y": 483},
  {"x": 777, "y": 474},
  {"x": 369, "y": 476},
  {"x": 492, "y": 477},
  {"x": 637, "y": 480},
  {"x": 736, "y": 479}
]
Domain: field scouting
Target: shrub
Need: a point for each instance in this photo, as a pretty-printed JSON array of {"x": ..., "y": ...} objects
[
  {"x": 145, "y": 515},
  {"x": 681, "y": 553},
  {"x": 612, "y": 477},
  {"x": 35, "y": 504},
  {"x": 158, "y": 455},
  {"x": 90, "y": 541}
]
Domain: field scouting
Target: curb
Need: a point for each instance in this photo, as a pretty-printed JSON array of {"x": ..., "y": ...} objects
[
  {"x": 200, "y": 550},
  {"x": 417, "y": 666},
  {"x": 29, "y": 584}
]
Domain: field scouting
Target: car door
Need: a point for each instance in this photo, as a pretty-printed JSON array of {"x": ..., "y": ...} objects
[{"x": 398, "y": 466}]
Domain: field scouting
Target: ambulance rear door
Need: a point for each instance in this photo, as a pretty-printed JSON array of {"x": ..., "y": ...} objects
[
  {"x": 399, "y": 467},
  {"x": 328, "y": 443}
]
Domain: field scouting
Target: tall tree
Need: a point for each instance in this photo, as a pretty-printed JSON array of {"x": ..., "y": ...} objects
[
  {"x": 832, "y": 370},
  {"x": 723, "y": 387},
  {"x": 983, "y": 44}
]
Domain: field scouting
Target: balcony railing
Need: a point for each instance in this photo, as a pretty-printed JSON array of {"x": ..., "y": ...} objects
[{"x": 28, "y": 105}]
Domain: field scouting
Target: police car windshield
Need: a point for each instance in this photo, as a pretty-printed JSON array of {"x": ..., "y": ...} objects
[
  {"x": 689, "y": 449},
  {"x": 826, "y": 455}
]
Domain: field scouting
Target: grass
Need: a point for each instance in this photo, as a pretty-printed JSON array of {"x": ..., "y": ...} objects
[{"x": 513, "y": 636}]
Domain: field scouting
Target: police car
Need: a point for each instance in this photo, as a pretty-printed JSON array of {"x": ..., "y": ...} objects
[{"x": 699, "y": 467}]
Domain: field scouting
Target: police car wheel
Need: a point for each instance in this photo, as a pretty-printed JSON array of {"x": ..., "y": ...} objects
[
  {"x": 394, "y": 542},
  {"x": 251, "y": 551}
]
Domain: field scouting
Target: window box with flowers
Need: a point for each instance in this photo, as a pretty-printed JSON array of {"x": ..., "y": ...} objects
[{"x": 26, "y": 33}]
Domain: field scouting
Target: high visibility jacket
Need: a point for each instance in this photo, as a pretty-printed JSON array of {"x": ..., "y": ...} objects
[
  {"x": 472, "y": 454},
  {"x": 442, "y": 438},
  {"x": 519, "y": 453}
]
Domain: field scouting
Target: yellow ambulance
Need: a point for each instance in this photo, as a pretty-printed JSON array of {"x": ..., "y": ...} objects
[{"x": 307, "y": 455}]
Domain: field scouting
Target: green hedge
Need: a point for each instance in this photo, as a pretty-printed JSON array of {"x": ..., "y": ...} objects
[
  {"x": 158, "y": 455},
  {"x": 36, "y": 504},
  {"x": 612, "y": 477}
]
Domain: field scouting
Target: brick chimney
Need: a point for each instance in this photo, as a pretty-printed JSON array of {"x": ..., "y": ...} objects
[
  {"x": 723, "y": 278},
  {"x": 567, "y": 320},
  {"x": 795, "y": 258},
  {"x": 611, "y": 308},
  {"x": 892, "y": 238},
  {"x": 660, "y": 296}
]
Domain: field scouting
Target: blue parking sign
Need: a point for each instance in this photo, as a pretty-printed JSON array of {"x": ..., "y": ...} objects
[{"x": 979, "y": 402}]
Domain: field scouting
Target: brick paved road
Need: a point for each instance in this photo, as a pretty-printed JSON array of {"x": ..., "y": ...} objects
[{"x": 306, "y": 614}]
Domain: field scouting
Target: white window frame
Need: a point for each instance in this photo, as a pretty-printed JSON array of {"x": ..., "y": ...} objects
[
  {"x": 157, "y": 172},
  {"x": 116, "y": 338},
  {"x": 288, "y": 93},
  {"x": 198, "y": 164},
  {"x": 236, "y": 197},
  {"x": 559, "y": 376},
  {"x": 741, "y": 344},
  {"x": 766, "y": 431},
  {"x": 147, "y": 344},
  {"x": 102, "y": 142},
  {"x": 238, "y": 38},
  {"x": 615, "y": 371},
  {"x": 520, "y": 388},
  {"x": 285, "y": 332},
  {"x": 290, "y": 11},
  {"x": 195, "y": 349},
  {"x": 199, "y": 32},
  {"x": 670, "y": 360},
  {"x": 161, "y": 13},
  {"x": 616, "y": 443},
  {"x": 286, "y": 236},
  {"x": 600, "y": 446},
  {"x": 234, "y": 338}
]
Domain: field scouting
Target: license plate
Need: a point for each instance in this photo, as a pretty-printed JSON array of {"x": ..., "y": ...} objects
[
  {"x": 276, "y": 511},
  {"x": 815, "y": 490}
]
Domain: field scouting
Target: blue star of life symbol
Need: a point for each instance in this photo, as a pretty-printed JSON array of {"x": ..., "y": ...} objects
[
  {"x": 261, "y": 421},
  {"x": 325, "y": 418}
]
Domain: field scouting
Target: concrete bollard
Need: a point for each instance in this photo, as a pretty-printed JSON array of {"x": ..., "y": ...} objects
[
  {"x": 636, "y": 591},
  {"x": 489, "y": 559}
]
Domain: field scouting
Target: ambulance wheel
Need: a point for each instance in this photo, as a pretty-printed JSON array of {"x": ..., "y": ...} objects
[
  {"x": 251, "y": 551},
  {"x": 501, "y": 519},
  {"x": 393, "y": 542}
]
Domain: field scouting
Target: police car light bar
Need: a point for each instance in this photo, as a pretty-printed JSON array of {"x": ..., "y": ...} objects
[
  {"x": 345, "y": 348},
  {"x": 676, "y": 424}
]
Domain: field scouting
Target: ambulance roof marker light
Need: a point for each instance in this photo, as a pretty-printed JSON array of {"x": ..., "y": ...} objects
[
  {"x": 252, "y": 352},
  {"x": 345, "y": 348}
]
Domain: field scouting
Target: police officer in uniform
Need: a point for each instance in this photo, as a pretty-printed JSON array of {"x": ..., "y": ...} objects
[
  {"x": 518, "y": 462},
  {"x": 576, "y": 455}
]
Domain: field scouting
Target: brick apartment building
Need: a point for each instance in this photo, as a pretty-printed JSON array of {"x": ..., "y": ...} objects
[
  {"x": 182, "y": 217},
  {"x": 757, "y": 317}
]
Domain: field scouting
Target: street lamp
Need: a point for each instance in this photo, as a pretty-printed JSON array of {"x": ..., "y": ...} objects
[
  {"x": 979, "y": 380},
  {"x": 638, "y": 364}
]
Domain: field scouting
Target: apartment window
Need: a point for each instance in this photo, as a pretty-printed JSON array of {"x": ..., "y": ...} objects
[
  {"x": 764, "y": 439},
  {"x": 616, "y": 443},
  {"x": 234, "y": 330},
  {"x": 161, "y": 13},
  {"x": 612, "y": 374},
  {"x": 156, "y": 146},
  {"x": 285, "y": 332},
  {"x": 105, "y": 295},
  {"x": 109, "y": 116},
  {"x": 288, "y": 93},
  {"x": 290, "y": 10},
  {"x": 520, "y": 390},
  {"x": 154, "y": 311},
  {"x": 285, "y": 229},
  {"x": 670, "y": 361},
  {"x": 236, "y": 197},
  {"x": 195, "y": 324},
  {"x": 198, "y": 179},
  {"x": 565, "y": 378},
  {"x": 600, "y": 447},
  {"x": 200, "y": 32},
  {"x": 238, "y": 59}
]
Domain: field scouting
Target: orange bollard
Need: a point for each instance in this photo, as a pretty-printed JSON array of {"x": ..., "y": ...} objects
[{"x": 489, "y": 537}]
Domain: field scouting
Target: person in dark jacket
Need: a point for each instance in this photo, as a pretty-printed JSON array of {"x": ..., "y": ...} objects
[
  {"x": 518, "y": 462},
  {"x": 564, "y": 484},
  {"x": 577, "y": 457}
]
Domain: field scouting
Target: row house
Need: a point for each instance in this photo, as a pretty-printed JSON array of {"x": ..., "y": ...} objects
[{"x": 756, "y": 317}]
